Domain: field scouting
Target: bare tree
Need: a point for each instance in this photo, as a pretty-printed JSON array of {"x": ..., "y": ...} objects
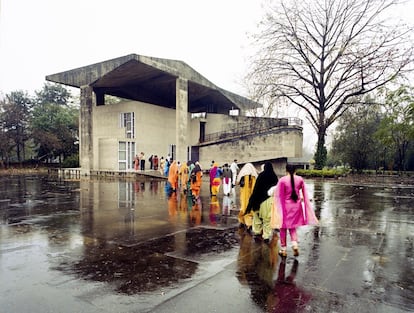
[
  {"x": 272, "y": 107},
  {"x": 322, "y": 55}
]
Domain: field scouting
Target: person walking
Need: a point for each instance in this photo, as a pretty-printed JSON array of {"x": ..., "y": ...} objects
[
  {"x": 162, "y": 165},
  {"x": 191, "y": 166},
  {"x": 136, "y": 162},
  {"x": 246, "y": 179},
  {"x": 173, "y": 176},
  {"x": 166, "y": 167},
  {"x": 183, "y": 177},
  {"x": 142, "y": 161},
  {"x": 261, "y": 203},
  {"x": 295, "y": 208},
  {"x": 196, "y": 180},
  {"x": 155, "y": 163},
  {"x": 215, "y": 179},
  {"x": 227, "y": 180},
  {"x": 234, "y": 169}
]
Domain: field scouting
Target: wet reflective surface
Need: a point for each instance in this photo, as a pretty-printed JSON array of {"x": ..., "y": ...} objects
[{"x": 128, "y": 246}]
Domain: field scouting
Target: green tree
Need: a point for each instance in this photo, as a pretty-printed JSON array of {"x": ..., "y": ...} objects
[
  {"x": 354, "y": 143},
  {"x": 53, "y": 93},
  {"x": 396, "y": 129},
  {"x": 322, "y": 55},
  {"x": 55, "y": 123},
  {"x": 15, "y": 115},
  {"x": 6, "y": 145}
]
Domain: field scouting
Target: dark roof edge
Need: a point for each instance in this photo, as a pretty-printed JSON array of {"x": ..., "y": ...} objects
[{"x": 89, "y": 74}]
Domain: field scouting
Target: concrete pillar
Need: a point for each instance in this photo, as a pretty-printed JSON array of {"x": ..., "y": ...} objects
[
  {"x": 85, "y": 130},
  {"x": 181, "y": 119}
]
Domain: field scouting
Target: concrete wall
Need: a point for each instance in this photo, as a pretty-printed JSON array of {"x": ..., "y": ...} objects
[
  {"x": 155, "y": 130},
  {"x": 286, "y": 143}
]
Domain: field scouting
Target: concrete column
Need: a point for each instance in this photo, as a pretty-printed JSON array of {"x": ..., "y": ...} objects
[
  {"x": 85, "y": 130},
  {"x": 181, "y": 119}
]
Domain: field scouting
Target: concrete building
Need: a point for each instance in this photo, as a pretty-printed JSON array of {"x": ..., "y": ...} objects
[{"x": 166, "y": 107}]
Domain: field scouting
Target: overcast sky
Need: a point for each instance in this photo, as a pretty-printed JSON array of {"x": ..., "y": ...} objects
[{"x": 42, "y": 37}]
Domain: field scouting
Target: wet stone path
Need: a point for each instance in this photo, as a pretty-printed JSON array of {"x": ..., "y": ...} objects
[{"x": 126, "y": 246}]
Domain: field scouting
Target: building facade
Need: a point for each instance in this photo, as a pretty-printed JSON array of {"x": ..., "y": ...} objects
[{"x": 166, "y": 107}]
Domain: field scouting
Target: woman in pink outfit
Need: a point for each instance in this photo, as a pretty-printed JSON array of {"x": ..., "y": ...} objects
[{"x": 294, "y": 207}]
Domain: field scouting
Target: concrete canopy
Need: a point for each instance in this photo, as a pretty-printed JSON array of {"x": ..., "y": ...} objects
[{"x": 152, "y": 80}]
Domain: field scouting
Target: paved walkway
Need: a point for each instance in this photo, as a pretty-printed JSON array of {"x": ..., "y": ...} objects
[{"x": 84, "y": 248}]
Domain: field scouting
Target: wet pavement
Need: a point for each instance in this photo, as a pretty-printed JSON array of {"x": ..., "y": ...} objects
[{"x": 125, "y": 246}]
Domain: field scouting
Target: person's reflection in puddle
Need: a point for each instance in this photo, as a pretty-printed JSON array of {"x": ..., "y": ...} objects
[
  {"x": 182, "y": 206},
  {"x": 226, "y": 205},
  {"x": 214, "y": 210},
  {"x": 287, "y": 296},
  {"x": 172, "y": 207},
  {"x": 257, "y": 264},
  {"x": 154, "y": 186},
  {"x": 195, "y": 211},
  {"x": 136, "y": 186}
]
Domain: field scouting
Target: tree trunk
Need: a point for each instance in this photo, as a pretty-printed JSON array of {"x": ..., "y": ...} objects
[{"x": 321, "y": 152}]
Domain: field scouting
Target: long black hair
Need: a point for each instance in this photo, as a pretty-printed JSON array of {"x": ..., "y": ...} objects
[
  {"x": 291, "y": 170},
  {"x": 264, "y": 181}
]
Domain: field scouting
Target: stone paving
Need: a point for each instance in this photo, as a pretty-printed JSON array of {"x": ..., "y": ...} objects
[{"x": 126, "y": 246}]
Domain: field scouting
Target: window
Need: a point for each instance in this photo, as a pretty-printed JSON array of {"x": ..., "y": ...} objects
[
  {"x": 127, "y": 121},
  {"x": 126, "y": 153}
]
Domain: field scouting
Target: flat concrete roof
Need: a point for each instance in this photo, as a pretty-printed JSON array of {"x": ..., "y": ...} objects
[{"x": 153, "y": 80}]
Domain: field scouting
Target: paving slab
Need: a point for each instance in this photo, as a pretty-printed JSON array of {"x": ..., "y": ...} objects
[{"x": 127, "y": 246}]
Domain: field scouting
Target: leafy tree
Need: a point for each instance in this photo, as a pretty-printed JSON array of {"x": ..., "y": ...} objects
[
  {"x": 55, "y": 123},
  {"x": 323, "y": 55},
  {"x": 396, "y": 129},
  {"x": 15, "y": 114},
  {"x": 6, "y": 144},
  {"x": 354, "y": 143},
  {"x": 53, "y": 93}
]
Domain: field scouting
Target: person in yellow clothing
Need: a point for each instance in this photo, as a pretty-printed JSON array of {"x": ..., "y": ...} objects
[
  {"x": 215, "y": 179},
  {"x": 246, "y": 179},
  {"x": 261, "y": 203},
  {"x": 183, "y": 177}
]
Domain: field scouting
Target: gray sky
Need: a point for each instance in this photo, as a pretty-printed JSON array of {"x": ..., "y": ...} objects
[{"x": 42, "y": 37}]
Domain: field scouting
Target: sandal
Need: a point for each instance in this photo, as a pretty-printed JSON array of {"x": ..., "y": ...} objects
[
  {"x": 283, "y": 253},
  {"x": 295, "y": 251}
]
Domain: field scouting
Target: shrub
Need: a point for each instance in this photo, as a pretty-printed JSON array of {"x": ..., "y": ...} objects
[
  {"x": 71, "y": 161},
  {"x": 326, "y": 173}
]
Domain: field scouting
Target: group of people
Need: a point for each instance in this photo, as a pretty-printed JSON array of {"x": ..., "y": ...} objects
[
  {"x": 139, "y": 162},
  {"x": 269, "y": 204},
  {"x": 187, "y": 177},
  {"x": 183, "y": 177},
  {"x": 223, "y": 175}
]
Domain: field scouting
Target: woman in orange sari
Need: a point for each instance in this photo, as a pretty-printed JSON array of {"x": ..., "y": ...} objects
[
  {"x": 173, "y": 176},
  {"x": 196, "y": 176}
]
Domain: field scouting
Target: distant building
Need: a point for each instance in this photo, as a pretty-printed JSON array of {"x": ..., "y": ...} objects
[{"x": 169, "y": 108}]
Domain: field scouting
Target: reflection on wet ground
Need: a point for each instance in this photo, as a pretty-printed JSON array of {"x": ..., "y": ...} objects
[{"x": 131, "y": 239}]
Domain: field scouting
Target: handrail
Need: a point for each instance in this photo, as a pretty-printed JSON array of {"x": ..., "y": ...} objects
[{"x": 250, "y": 129}]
